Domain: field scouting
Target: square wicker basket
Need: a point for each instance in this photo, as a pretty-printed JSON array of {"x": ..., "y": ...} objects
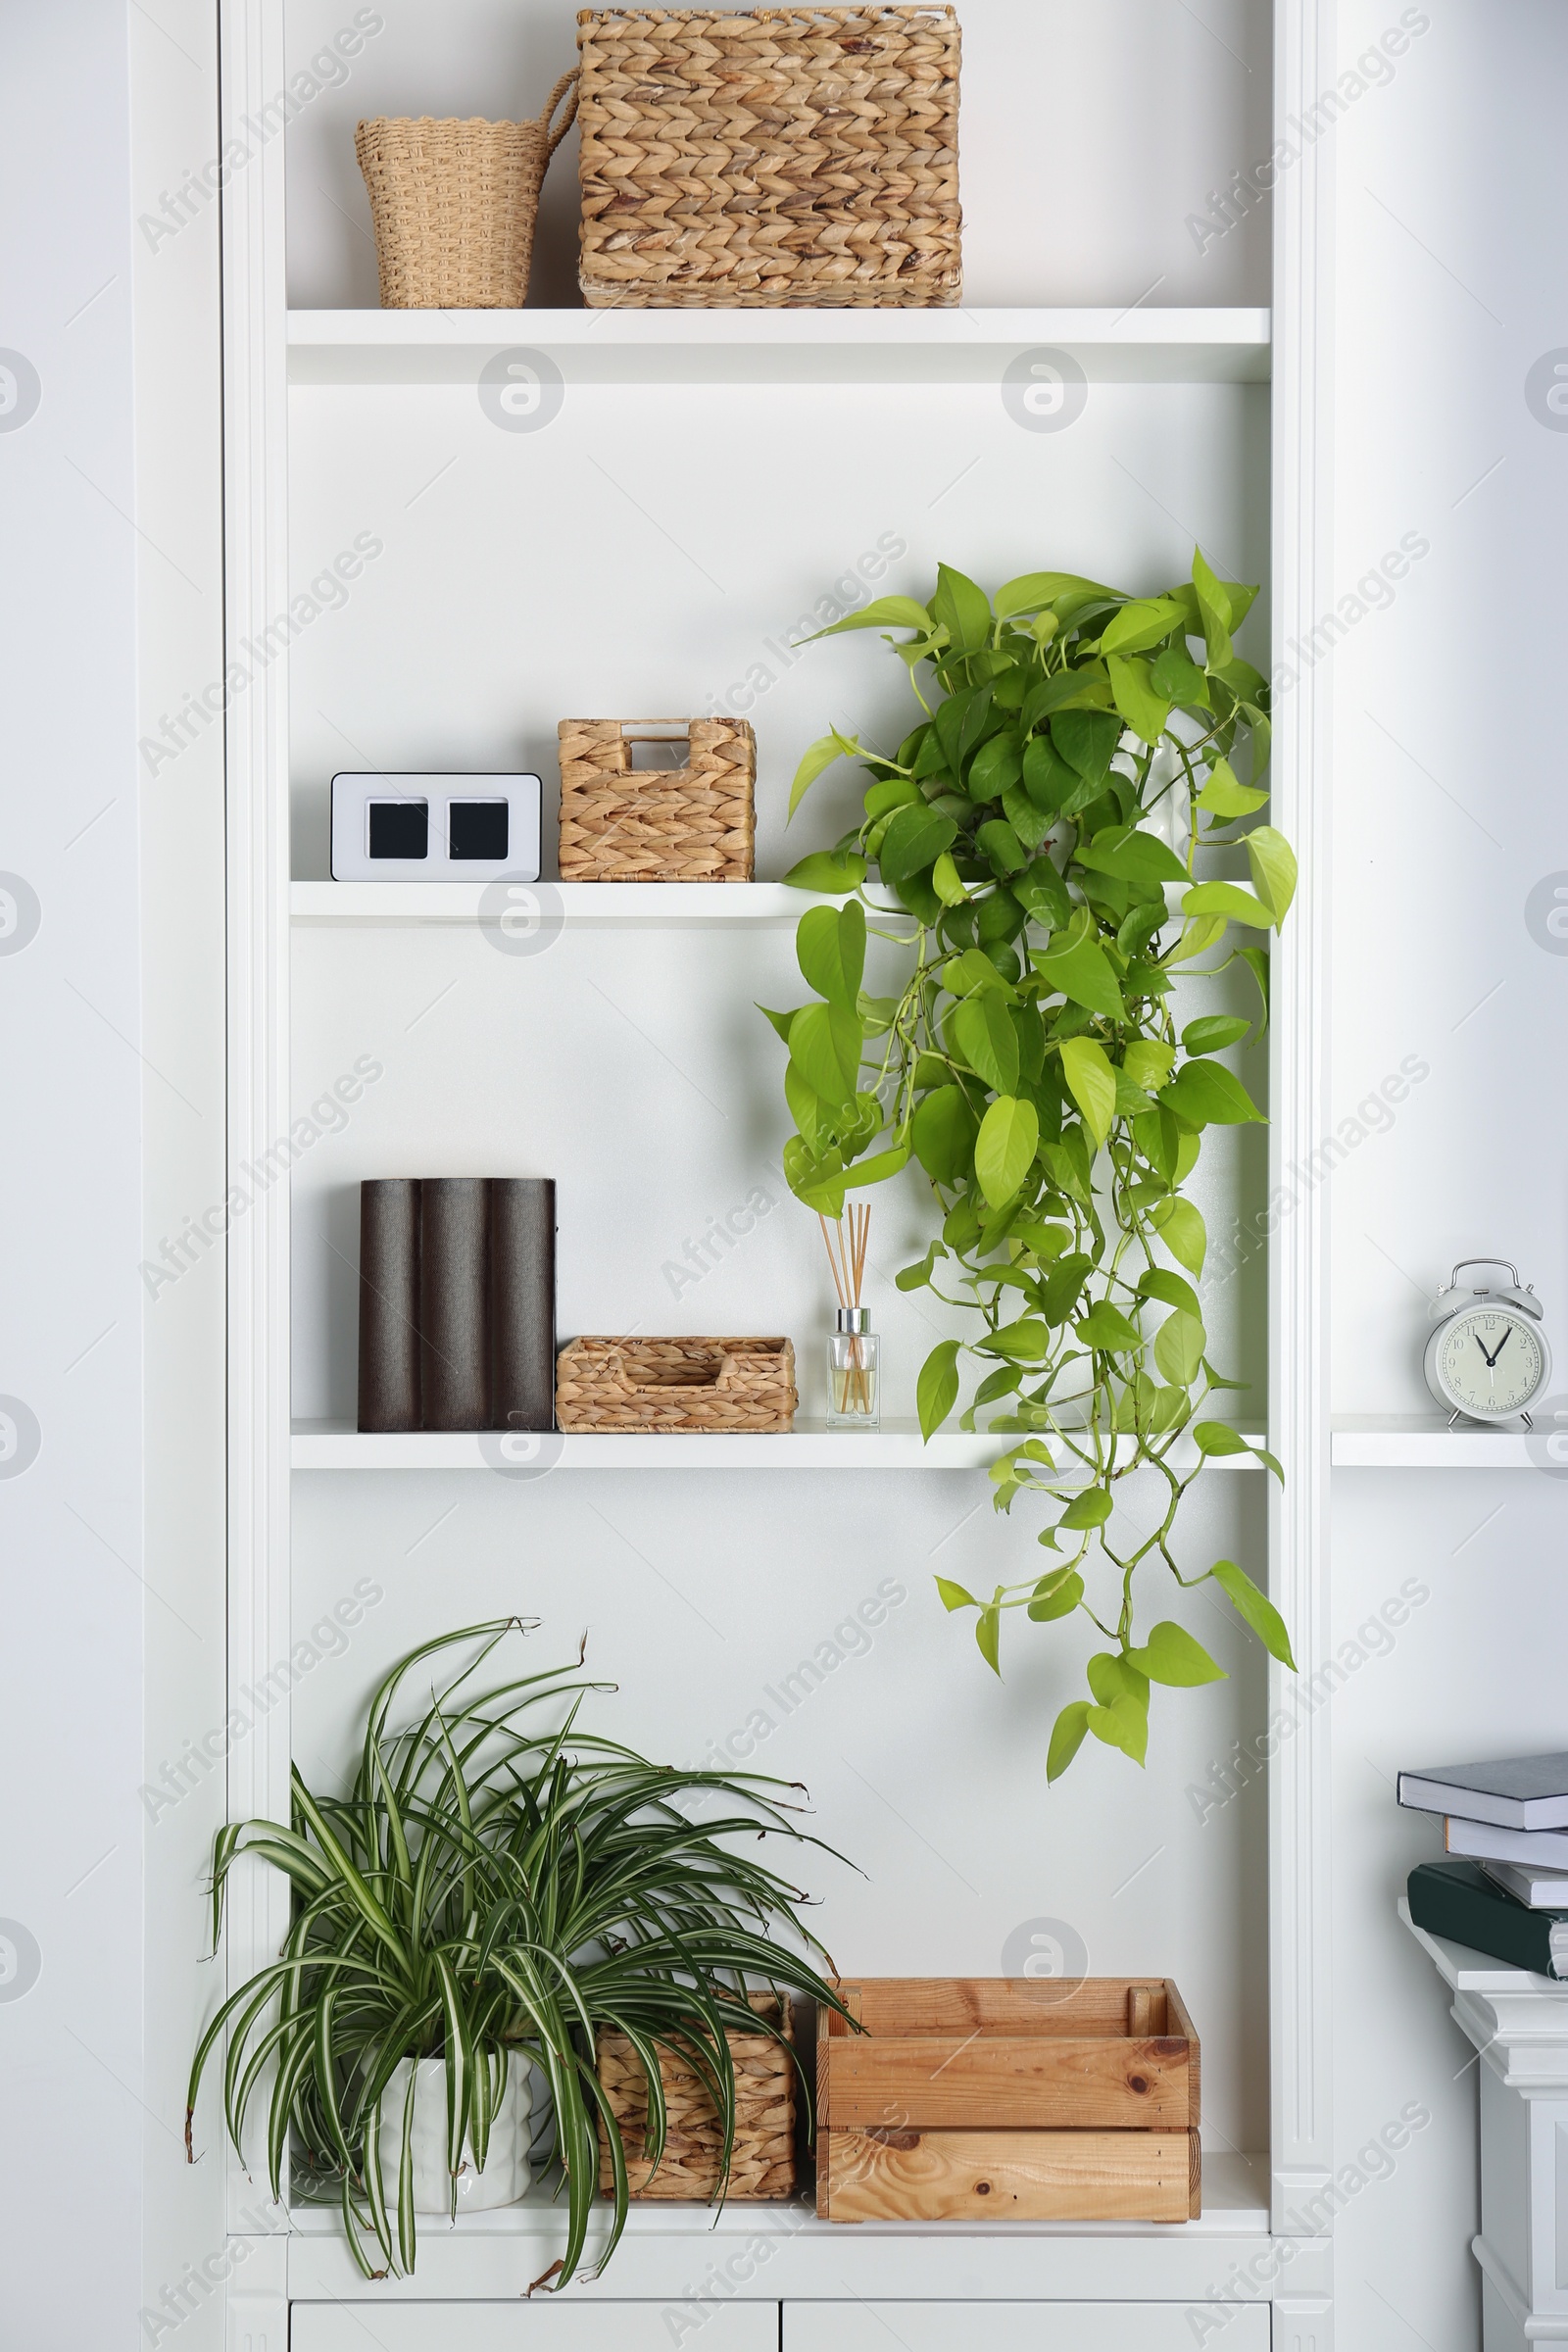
[
  {"x": 692, "y": 823},
  {"x": 794, "y": 156},
  {"x": 717, "y": 1386},
  {"x": 762, "y": 2160}
]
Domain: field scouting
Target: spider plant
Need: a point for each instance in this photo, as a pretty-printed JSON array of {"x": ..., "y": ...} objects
[{"x": 499, "y": 1883}]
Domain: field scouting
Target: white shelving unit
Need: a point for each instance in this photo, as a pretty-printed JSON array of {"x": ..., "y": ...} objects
[
  {"x": 340, "y": 421},
  {"x": 620, "y": 905},
  {"x": 1425, "y": 1442},
  {"x": 1132, "y": 345},
  {"x": 809, "y": 1445}
]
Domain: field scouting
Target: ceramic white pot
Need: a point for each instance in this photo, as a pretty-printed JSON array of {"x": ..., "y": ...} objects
[{"x": 507, "y": 2171}]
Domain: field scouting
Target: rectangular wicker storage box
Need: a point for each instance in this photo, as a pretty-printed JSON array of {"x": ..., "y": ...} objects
[
  {"x": 717, "y": 1386},
  {"x": 976, "y": 2098},
  {"x": 763, "y": 2161},
  {"x": 792, "y": 155},
  {"x": 692, "y": 823}
]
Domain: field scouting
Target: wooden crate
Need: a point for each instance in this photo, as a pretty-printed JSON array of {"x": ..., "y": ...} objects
[{"x": 986, "y": 2098}]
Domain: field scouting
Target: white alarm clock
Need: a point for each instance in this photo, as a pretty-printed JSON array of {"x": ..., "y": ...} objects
[{"x": 1487, "y": 1358}]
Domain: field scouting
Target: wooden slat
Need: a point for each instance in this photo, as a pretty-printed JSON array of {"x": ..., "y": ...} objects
[
  {"x": 1194, "y": 2177},
  {"x": 1177, "y": 2021},
  {"x": 1005, "y": 2176},
  {"x": 926, "y": 2081},
  {"x": 962, "y": 2005},
  {"x": 1140, "y": 2001}
]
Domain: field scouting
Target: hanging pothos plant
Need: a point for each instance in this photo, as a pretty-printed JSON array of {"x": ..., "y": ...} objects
[{"x": 1036, "y": 839}]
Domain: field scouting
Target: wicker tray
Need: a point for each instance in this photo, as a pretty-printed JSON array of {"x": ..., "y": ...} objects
[
  {"x": 719, "y": 1386},
  {"x": 692, "y": 823},
  {"x": 788, "y": 157},
  {"x": 763, "y": 2161},
  {"x": 454, "y": 205}
]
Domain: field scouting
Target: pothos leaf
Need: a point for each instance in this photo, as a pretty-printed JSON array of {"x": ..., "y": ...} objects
[
  {"x": 1255, "y": 1610},
  {"x": 954, "y": 1597},
  {"x": 1066, "y": 1739},
  {"x": 1092, "y": 1082},
  {"x": 821, "y": 756},
  {"x": 988, "y": 1634},
  {"x": 937, "y": 1390}
]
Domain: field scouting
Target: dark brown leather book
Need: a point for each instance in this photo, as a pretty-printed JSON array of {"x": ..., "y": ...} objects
[
  {"x": 454, "y": 1303},
  {"x": 522, "y": 1301},
  {"x": 389, "y": 1303}
]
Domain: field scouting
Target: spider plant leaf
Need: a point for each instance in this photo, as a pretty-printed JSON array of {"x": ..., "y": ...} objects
[
  {"x": 406, "y": 2235},
  {"x": 370, "y": 1911},
  {"x": 375, "y": 2184}
]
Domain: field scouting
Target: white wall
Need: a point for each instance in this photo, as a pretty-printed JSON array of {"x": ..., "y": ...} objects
[
  {"x": 71, "y": 1536},
  {"x": 114, "y": 1120},
  {"x": 1448, "y": 810}
]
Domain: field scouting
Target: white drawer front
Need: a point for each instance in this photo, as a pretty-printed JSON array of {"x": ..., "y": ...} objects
[
  {"x": 371, "y": 2327},
  {"x": 1009, "y": 2327}
]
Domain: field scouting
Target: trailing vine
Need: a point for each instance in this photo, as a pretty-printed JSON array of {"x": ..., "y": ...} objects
[{"x": 1036, "y": 839}]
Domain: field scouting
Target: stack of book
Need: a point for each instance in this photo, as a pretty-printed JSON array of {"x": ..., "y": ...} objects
[{"x": 1504, "y": 1890}]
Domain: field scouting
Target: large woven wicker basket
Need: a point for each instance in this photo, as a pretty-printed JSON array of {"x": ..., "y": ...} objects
[
  {"x": 794, "y": 156},
  {"x": 762, "y": 2155},
  {"x": 717, "y": 1386},
  {"x": 454, "y": 205},
  {"x": 692, "y": 823}
]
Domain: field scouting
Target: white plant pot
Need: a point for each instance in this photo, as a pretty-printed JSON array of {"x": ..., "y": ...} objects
[{"x": 506, "y": 2172}]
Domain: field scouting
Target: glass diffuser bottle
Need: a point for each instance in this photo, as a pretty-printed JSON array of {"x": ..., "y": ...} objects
[{"x": 854, "y": 1352}]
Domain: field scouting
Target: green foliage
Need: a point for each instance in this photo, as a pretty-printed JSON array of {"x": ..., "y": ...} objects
[
  {"x": 1062, "y": 833},
  {"x": 498, "y": 1885}
]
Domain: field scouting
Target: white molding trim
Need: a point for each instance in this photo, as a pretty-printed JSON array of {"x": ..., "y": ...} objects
[
  {"x": 256, "y": 2317},
  {"x": 1299, "y": 1956},
  {"x": 256, "y": 516},
  {"x": 1304, "y": 2324}
]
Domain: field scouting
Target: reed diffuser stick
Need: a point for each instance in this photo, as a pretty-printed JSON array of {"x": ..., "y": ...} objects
[{"x": 846, "y": 1255}]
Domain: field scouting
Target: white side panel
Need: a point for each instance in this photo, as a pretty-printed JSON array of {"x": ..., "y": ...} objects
[
  {"x": 181, "y": 773},
  {"x": 256, "y": 523},
  {"x": 1298, "y": 1773}
]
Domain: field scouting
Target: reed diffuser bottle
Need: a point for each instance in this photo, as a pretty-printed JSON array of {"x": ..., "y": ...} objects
[{"x": 853, "y": 1351}]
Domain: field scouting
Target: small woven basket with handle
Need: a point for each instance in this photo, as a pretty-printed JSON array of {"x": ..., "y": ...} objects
[
  {"x": 784, "y": 156},
  {"x": 454, "y": 205},
  {"x": 719, "y": 1385},
  {"x": 763, "y": 2161},
  {"x": 691, "y": 824}
]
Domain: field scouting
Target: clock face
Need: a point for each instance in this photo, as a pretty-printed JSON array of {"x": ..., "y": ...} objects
[{"x": 1490, "y": 1361}]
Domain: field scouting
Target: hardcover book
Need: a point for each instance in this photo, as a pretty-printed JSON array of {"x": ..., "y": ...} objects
[
  {"x": 1458, "y": 1901},
  {"x": 1538, "y": 1849},
  {"x": 1522, "y": 1793}
]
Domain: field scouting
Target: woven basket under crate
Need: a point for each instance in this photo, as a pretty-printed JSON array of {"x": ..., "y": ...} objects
[
  {"x": 792, "y": 156},
  {"x": 693, "y": 823},
  {"x": 717, "y": 1386},
  {"x": 454, "y": 205},
  {"x": 762, "y": 2154}
]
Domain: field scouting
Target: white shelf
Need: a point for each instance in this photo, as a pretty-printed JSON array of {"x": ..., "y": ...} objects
[
  {"x": 668, "y": 2245},
  {"x": 630, "y": 906},
  {"x": 1425, "y": 1441},
  {"x": 811, "y": 1446},
  {"x": 837, "y": 346}
]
